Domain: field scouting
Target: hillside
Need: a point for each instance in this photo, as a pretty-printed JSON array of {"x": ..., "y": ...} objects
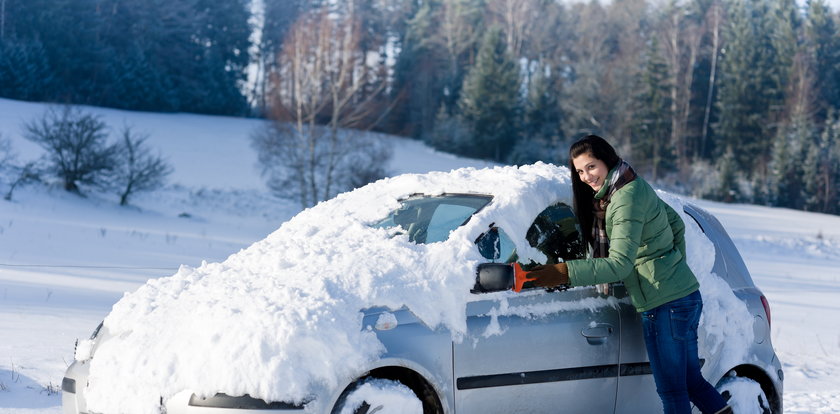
[{"x": 65, "y": 260}]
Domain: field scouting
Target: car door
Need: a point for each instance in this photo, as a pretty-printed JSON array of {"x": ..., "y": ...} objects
[
  {"x": 636, "y": 387},
  {"x": 539, "y": 351}
]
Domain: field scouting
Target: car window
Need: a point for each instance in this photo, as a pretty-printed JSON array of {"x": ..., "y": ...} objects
[
  {"x": 555, "y": 233},
  {"x": 429, "y": 219},
  {"x": 446, "y": 218}
]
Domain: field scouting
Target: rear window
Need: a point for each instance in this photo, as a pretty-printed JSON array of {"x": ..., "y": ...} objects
[{"x": 430, "y": 219}]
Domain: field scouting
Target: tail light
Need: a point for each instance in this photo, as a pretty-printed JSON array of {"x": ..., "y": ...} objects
[{"x": 766, "y": 309}]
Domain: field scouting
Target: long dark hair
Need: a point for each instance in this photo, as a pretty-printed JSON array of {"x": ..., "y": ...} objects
[{"x": 583, "y": 193}]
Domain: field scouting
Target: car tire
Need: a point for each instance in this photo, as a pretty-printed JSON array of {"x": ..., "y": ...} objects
[
  {"x": 744, "y": 395},
  {"x": 365, "y": 397}
]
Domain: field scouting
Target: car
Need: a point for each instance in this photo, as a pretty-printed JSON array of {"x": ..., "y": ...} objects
[{"x": 403, "y": 288}]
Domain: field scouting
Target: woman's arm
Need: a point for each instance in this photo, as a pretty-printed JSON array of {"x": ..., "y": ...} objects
[{"x": 626, "y": 213}]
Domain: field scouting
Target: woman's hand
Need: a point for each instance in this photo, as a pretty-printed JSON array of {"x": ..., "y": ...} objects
[{"x": 550, "y": 275}]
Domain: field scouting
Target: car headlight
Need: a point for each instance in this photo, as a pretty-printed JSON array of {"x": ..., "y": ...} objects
[
  {"x": 68, "y": 385},
  {"x": 243, "y": 402}
]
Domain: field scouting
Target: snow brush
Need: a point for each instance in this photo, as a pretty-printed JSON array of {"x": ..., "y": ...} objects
[{"x": 520, "y": 277}]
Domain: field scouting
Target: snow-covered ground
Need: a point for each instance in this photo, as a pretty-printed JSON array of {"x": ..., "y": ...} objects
[{"x": 65, "y": 260}]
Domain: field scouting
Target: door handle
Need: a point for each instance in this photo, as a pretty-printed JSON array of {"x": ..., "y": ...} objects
[{"x": 597, "y": 334}]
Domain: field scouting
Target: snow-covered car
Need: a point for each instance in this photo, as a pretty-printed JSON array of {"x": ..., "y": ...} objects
[{"x": 396, "y": 296}]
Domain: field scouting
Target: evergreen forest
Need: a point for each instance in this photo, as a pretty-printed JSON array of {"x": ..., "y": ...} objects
[{"x": 733, "y": 100}]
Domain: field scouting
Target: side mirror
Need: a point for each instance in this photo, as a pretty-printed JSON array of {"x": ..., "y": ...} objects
[
  {"x": 489, "y": 244},
  {"x": 493, "y": 277}
]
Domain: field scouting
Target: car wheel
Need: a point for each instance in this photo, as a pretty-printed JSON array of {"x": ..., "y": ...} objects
[
  {"x": 744, "y": 395},
  {"x": 378, "y": 396}
]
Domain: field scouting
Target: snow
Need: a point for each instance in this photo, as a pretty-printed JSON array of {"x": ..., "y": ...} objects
[
  {"x": 541, "y": 310},
  {"x": 386, "y": 321},
  {"x": 744, "y": 394},
  {"x": 392, "y": 396},
  {"x": 65, "y": 261}
]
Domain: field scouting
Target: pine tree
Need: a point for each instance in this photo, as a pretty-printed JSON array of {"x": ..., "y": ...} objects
[
  {"x": 753, "y": 79},
  {"x": 138, "y": 84},
  {"x": 728, "y": 189},
  {"x": 212, "y": 73},
  {"x": 490, "y": 103},
  {"x": 651, "y": 130},
  {"x": 450, "y": 133},
  {"x": 542, "y": 115},
  {"x": 418, "y": 76},
  {"x": 25, "y": 71},
  {"x": 186, "y": 55},
  {"x": 822, "y": 41},
  {"x": 822, "y": 169},
  {"x": 437, "y": 45},
  {"x": 785, "y": 181},
  {"x": 783, "y": 25},
  {"x": 542, "y": 137}
]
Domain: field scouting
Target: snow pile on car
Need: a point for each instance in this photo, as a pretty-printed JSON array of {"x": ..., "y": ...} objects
[
  {"x": 281, "y": 319},
  {"x": 726, "y": 320}
]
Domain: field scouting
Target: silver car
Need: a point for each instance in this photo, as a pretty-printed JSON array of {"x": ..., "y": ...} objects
[{"x": 539, "y": 351}]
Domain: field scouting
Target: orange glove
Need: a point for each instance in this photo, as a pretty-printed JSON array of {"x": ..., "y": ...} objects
[{"x": 550, "y": 275}]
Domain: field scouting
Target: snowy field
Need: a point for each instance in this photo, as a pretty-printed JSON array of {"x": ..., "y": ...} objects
[{"x": 65, "y": 260}]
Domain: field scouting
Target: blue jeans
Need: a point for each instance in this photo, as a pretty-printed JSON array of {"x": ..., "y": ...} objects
[{"x": 671, "y": 340}]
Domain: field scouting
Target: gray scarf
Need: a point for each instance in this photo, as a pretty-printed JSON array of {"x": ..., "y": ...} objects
[{"x": 619, "y": 176}]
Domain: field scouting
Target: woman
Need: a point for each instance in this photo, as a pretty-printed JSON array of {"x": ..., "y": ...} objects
[{"x": 637, "y": 238}]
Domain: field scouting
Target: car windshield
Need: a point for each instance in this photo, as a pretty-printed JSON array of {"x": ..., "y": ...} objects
[{"x": 431, "y": 219}]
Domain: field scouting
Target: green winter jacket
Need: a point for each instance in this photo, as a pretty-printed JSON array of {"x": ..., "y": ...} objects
[{"x": 647, "y": 249}]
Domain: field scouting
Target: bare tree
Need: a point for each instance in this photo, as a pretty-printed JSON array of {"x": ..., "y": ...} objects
[
  {"x": 682, "y": 33},
  {"x": 20, "y": 175},
  {"x": 76, "y": 146},
  {"x": 323, "y": 78},
  {"x": 288, "y": 166},
  {"x": 16, "y": 174},
  {"x": 7, "y": 155},
  {"x": 517, "y": 18},
  {"x": 714, "y": 24},
  {"x": 605, "y": 61},
  {"x": 136, "y": 168},
  {"x": 458, "y": 34},
  {"x": 589, "y": 54}
]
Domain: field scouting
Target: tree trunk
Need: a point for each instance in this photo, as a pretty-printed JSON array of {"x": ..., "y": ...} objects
[
  {"x": 2, "y": 19},
  {"x": 124, "y": 195},
  {"x": 715, "y": 48},
  {"x": 676, "y": 69}
]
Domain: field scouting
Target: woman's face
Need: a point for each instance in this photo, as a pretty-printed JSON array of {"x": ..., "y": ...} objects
[{"x": 591, "y": 170}]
